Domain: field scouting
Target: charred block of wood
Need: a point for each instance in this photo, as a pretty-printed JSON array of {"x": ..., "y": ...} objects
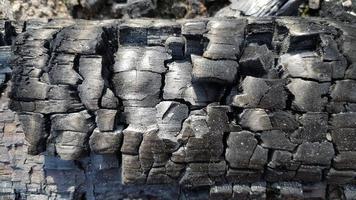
[{"x": 226, "y": 103}]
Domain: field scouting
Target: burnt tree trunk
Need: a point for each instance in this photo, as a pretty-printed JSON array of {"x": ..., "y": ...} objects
[{"x": 215, "y": 108}]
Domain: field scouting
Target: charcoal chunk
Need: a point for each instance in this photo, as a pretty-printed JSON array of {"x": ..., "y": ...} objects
[
  {"x": 278, "y": 175},
  {"x": 177, "y": 80},
  {"x": 106, "y": 142},
  {"x": 256, "y": 60},
  {"x": 108, "y": 100},
  {"x": 64, "y": 74},
  {"x": 315, "y": 153},
  {"x": 170, "y": 115},
  {"x": 203, "y": 135},
  {"x": 344, "y": 139},
  {"x": 201, "y": 94},
  {"x": 139, "y": 115},
  {"x": 133, "y": 136},
  {"x": 346, "y": 47},
  {"x": 259, "y": 158},
  {"x": 260, "y": 31},
  {"x": 303, "y": 36},
  {"x": 283, "y": 120},
  {"x": 31, "y": 89},
  {"x": 221, "y": 71},
  {"x": 141, "y": 59},
  {"x": 343, "y": 120},
  {"x": 340, "y": 177},
  {"x": 308, "y": 173},
  {"x": 174, "y": 170},
  {"x": 217, "y": 118},
  {"x": 176, "y": 47},
  {"x": 306, "y": 65},
  {"x": 330, "y": 48},
  {"x": 242, "y": 151},
  {"x": 338, "y": 107},
  {"x": 35, "y": 133},
  {"x": 261, "y": 93},
  {"x": 179, "y": 156},
  {"x": 62, "y": 92},
  {"x": 71, "y": 145},
  {"x": 178, "y": 85},
  {"x": 156, "y": 148},
  {"x": 194, "y": 27},
  {"x": 106, "y": 119},
  {"x": 343, "y": 91},
  {"x": 276, "y": 139},
  {"x": 131, "y": 170},
  {"x": 87, "y": 43},
  {"x": 158, "y": 176},
  {"x": 150, "y": 32},
  {"x": 241, "y": 146},
  {"x": 58, "y": 106},
  {"x": 90, "y": 90},
  {"x": 225, "y": 38},
  {"x": 308, "y": 95},
  {"x": 260, "y": 120},
  {"x": 351, "y": 72},
  {"x": 345, "y": 160},
  {"x": 202, "y": 174},
  {"x": 255, "y": 119},
  {"x": 78, "y": 122},
  {"x": 283, "y": 160},
  {"x": 137, "y": 88},
  {"x": 314, "y": 128}
]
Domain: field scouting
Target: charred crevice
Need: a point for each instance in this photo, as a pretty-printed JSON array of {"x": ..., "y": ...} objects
[
  {"x": 260, "y": 33},
  {"x": 225, "y": 137},
  {"x": 49, "y": 44},
  {"x": 290, "y": 99},
  {"x": 76, "y": 61},
  {"x": 10, "y": 32},
  {"x": 163, "y": 79},
  {"x": 47, "y": 129},
  {"x": 17, "y": 195},
  {"x": 108, "y": 48}
]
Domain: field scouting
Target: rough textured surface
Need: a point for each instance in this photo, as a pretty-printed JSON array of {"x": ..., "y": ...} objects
[
  {"x": 341, "y": 10},
  {"x": 27, "y": 9},
  {"x": 261, "y": 8},
  {"x": 161, "y": 122}
]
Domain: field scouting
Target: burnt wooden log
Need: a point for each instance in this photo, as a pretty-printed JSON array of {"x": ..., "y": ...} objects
[{"x": 189, "y": 104}]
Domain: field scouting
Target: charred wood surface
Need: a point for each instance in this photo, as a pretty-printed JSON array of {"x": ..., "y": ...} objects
[{"x": 214, "y": 108}]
